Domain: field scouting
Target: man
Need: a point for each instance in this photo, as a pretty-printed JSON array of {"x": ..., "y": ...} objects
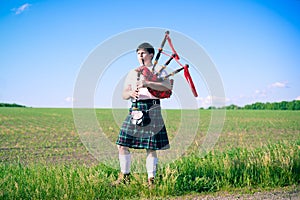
[{"x": 151, "y": 133}]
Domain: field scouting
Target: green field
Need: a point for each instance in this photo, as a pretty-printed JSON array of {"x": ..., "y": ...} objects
[{"x": 42, "y": 156}]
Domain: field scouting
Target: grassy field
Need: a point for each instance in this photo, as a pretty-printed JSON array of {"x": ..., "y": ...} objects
[{"x": 42, "y": 156}]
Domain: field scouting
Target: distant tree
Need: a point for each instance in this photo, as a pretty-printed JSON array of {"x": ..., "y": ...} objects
[
  {"x": 276, "y": 106},
  {"x": 297, "y": 105},
  {"x": 11, "y": 105},
  {"x": 233, "y": 107},
  {"x": 291, "y": 105},
  {"x": 269, "y": 106},
  {"x": 211, "y": 107},
  {"x": 258, "y": 106},
  {"x": 248, "y": 107},
  {"x": 284, "y": 105}
]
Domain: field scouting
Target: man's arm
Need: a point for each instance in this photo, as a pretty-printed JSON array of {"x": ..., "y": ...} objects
[
  {"x": 160, "y": 86},
  {"x": 129, "y": 90},
  {"x": 164, "y": 85}
]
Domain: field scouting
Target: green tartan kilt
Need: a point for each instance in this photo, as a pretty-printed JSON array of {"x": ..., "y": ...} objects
[{"x": 151, "y": 136}]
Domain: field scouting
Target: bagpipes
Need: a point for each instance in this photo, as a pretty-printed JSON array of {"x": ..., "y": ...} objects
[
  {"x": 140, "y": 118},
  {"x": 153, "y": 76}
]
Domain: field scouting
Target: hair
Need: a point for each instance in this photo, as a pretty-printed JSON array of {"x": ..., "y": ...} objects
[{"x": 148, "y": 47}]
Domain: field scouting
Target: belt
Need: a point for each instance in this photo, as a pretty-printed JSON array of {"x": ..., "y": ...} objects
[{"x": 149, "y": 101}]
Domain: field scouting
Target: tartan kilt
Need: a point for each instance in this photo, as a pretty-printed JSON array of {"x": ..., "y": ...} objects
[{"x": 152, "y": 136}]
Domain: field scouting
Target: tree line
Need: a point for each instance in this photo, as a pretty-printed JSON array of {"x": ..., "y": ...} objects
[
  {"x": 11, "y": 105},
  {"x": 283, "y": 105}
]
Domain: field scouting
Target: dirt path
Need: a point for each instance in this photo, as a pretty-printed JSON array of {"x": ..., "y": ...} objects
[{"x": 278, "y": 194}]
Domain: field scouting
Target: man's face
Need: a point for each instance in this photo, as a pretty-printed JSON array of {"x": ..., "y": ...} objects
[{"x": 143, "y": 54}]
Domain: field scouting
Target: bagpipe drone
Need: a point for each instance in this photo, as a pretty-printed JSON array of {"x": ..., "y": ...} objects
[{"x": 137, "y": 116}]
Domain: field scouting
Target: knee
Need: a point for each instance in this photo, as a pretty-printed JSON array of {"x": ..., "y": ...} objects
[
  {"x": 123, "y": 150},
  {"x": 151, "y": 153}
]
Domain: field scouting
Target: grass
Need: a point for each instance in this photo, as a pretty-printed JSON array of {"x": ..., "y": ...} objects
[{"x": 42, "y": 157}]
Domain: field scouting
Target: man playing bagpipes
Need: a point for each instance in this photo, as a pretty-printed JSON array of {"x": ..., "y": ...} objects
[
  {"x": 144, "y": 127},
  {"x": 148, "y": 130}
]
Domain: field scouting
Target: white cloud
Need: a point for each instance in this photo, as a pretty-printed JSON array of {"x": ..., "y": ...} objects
[
  {"x": 260, "y": 93},
  {"x": 69, "y": 99},
  {"x": 298, "y": 98},
  {"x": 21, "y": 9},
  {"x": 279, "y": 85},
  {"x": 205, "y": 102}
]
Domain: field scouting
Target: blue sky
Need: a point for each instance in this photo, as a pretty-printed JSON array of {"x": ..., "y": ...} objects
[{"x": 253, "y": 44}]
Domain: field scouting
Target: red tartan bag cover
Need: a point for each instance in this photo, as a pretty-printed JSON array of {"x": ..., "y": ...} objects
[{"x": 149, "y": 76}]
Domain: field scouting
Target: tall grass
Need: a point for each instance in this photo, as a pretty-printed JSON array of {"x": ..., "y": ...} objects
[
  {"x": 271, "y": 166},
  {"x": 274, "y": 165}
]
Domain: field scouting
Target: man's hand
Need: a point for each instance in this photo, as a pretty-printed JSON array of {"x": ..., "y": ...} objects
[
  {"x": 134, "y": 94},
  {"x": 129, "y": 93},
  {"x": 142, "y": 84}
]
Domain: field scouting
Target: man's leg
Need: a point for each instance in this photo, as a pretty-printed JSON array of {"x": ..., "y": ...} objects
[
  {"x": 125, "y": 159},
  {"x": 125, "y": 162},
  {"x": 151, "y": 165}
]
